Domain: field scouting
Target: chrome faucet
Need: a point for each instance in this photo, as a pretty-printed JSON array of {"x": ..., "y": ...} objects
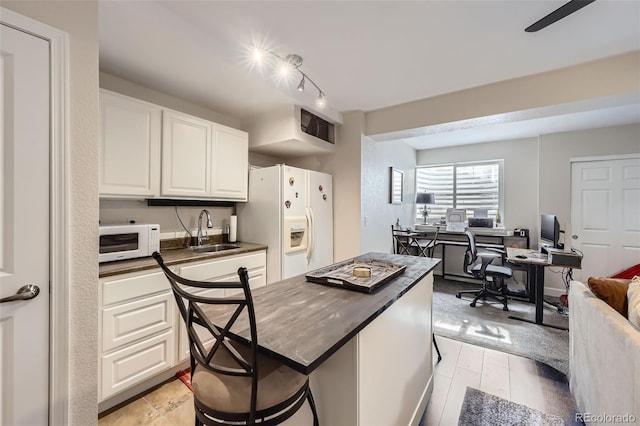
[{"x": 201, "y": 238}]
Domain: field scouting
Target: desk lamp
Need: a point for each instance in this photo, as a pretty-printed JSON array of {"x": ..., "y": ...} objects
[{"x": 425, "y": 198}]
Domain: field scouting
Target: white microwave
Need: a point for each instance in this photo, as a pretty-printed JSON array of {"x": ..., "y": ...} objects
[{"x": 119, "y": 242}]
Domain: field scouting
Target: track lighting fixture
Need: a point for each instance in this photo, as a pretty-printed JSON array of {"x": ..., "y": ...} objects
[{"x": 286, "y": 66}]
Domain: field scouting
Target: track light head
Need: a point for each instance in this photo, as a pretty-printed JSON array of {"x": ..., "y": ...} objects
[
  {"x": 293, "y": 60},
  {"x": 285, "y": 66},
  {"x": 257, "y": 55}
]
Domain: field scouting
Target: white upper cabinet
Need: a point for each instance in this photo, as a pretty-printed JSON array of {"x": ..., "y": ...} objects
[
  {"x": 129, "y": 147},
  {"x": 186, "y": 155},
  {"x": 201, "y": 159},
  {"x": 230, "y": 163},
  {"x": 147, "y": 151}
]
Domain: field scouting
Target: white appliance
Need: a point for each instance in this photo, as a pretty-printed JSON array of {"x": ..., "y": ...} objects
[
  {"x": 119, "y": 242},
  {"x": 291, "y": 211}
]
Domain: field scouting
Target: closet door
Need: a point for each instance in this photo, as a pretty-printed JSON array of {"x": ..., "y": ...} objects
[{"x": 605, "y": 215}]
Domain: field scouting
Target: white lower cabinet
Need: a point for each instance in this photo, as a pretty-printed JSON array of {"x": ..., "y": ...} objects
[
  {"x": 134, "y": 363},
  {"x": 137, "y": 329},
  {"x": 141, "y": 332}
]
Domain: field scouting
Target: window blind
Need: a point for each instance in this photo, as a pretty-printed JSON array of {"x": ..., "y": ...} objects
[{"x": 466, "y": 186}]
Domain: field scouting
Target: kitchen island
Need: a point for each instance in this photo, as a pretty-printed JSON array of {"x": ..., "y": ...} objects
[{"x": 369, "y": 356}]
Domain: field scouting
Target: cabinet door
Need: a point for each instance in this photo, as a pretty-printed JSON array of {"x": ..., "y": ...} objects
[
  {"x": 186, "y": 155},
  {"x": 135, "y": 363},
  {"x": 230, "y": 163},
  {"x": 136, "y": 329},
  {"x": 128, "y": 322},
  {"x": 129, "y": 146}
]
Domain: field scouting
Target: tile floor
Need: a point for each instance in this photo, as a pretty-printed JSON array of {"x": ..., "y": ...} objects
[
  {"x": 511, "y": 377},
  {"x": 170, "y": 404}
]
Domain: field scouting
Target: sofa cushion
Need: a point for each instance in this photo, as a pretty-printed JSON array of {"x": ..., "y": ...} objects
[
  {"x": 611, "y": 290},
  {"x": 633, "y": 294}
]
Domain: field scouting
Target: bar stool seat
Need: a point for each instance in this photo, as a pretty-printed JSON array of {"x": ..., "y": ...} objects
[{"x": 278, "y": 383}]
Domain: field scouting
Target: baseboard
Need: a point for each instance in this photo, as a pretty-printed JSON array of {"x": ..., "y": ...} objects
[
  {"x": 140, "y": 388},
  {"x": 553, "y": 291},
  {"x": 424, "y": 401}
]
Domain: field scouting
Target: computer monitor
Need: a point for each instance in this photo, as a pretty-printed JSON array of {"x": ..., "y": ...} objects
[{"x": 549, "y": 230}]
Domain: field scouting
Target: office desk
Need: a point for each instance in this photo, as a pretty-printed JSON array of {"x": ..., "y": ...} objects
[
  {"x": 488, "y": 238},
  {"x": 535, "y": 262}
]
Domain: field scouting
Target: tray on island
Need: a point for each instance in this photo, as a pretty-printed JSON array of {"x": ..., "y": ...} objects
[{"x": 342, "y": 274}]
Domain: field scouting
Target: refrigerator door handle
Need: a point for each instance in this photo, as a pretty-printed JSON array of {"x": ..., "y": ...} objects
[{"x": 311, "y": 231}]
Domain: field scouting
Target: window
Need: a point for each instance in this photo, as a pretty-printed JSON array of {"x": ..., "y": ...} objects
[{"x": 467, "y": 186}]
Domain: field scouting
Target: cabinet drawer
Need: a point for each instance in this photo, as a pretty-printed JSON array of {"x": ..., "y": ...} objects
[
  {"x": 125, "y": 323},
  {"x": 135, "y": 363},
  {"x": 223, "y": 267},
  {"x": 122, "y": 288}
]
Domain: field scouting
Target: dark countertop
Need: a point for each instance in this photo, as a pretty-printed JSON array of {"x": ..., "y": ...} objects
[
  {"x": 302, "y": 323},
  {"x": 172, "y": 257}
]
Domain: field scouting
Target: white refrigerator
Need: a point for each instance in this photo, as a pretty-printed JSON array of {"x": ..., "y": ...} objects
[{"x": 291, "y": 211}]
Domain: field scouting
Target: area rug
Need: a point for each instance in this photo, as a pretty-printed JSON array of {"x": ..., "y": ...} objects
[
  {"x": 487, "y": 325},
  {"x": 480, "y": 408}
]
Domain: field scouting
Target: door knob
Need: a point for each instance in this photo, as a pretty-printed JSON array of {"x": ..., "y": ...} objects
[{"x": 26, "y": 292}]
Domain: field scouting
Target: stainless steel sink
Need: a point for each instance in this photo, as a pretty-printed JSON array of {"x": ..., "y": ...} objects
[{"x": 212, "y": 248}]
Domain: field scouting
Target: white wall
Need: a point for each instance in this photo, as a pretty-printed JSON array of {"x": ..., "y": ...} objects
[
  {"x": 262, "y": 160},
  {"x": 129, "y": 88},
  {"x": 520, "y": 173},
  {"x": 121, "y": 211},
  {"x": 377, "y": 213},
  {"x": 80, "y": 21},
  {"x": 345, "y": 166},
  {"x": 614, "y": 75}
]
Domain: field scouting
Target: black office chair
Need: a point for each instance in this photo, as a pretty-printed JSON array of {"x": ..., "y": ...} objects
[
  {"x": 496, "y": 288},
  {"x": 232, "y": 383}
]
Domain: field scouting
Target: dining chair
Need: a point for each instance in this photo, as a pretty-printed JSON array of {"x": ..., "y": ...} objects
[
  {"x": 402, "y": 241},
  {"x": 426, "y": 246},
  {"x": 233, "y": 383}
]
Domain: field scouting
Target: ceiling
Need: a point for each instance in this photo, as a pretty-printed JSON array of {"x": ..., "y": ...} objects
[{"x": 363, "y": 55}]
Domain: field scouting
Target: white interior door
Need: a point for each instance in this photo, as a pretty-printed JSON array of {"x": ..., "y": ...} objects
[
  {"x": 24, "y": 227},
  {"x": 605, "y": 215}
]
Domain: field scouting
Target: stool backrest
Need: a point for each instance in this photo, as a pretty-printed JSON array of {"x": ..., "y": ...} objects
[{"x": 190, "y": 306}]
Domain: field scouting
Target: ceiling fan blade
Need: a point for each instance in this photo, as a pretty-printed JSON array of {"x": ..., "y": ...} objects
[{"x": 561, "y": 12}]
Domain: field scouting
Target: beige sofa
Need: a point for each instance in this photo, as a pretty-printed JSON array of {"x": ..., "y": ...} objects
[{"x": 604, "y": 359}]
